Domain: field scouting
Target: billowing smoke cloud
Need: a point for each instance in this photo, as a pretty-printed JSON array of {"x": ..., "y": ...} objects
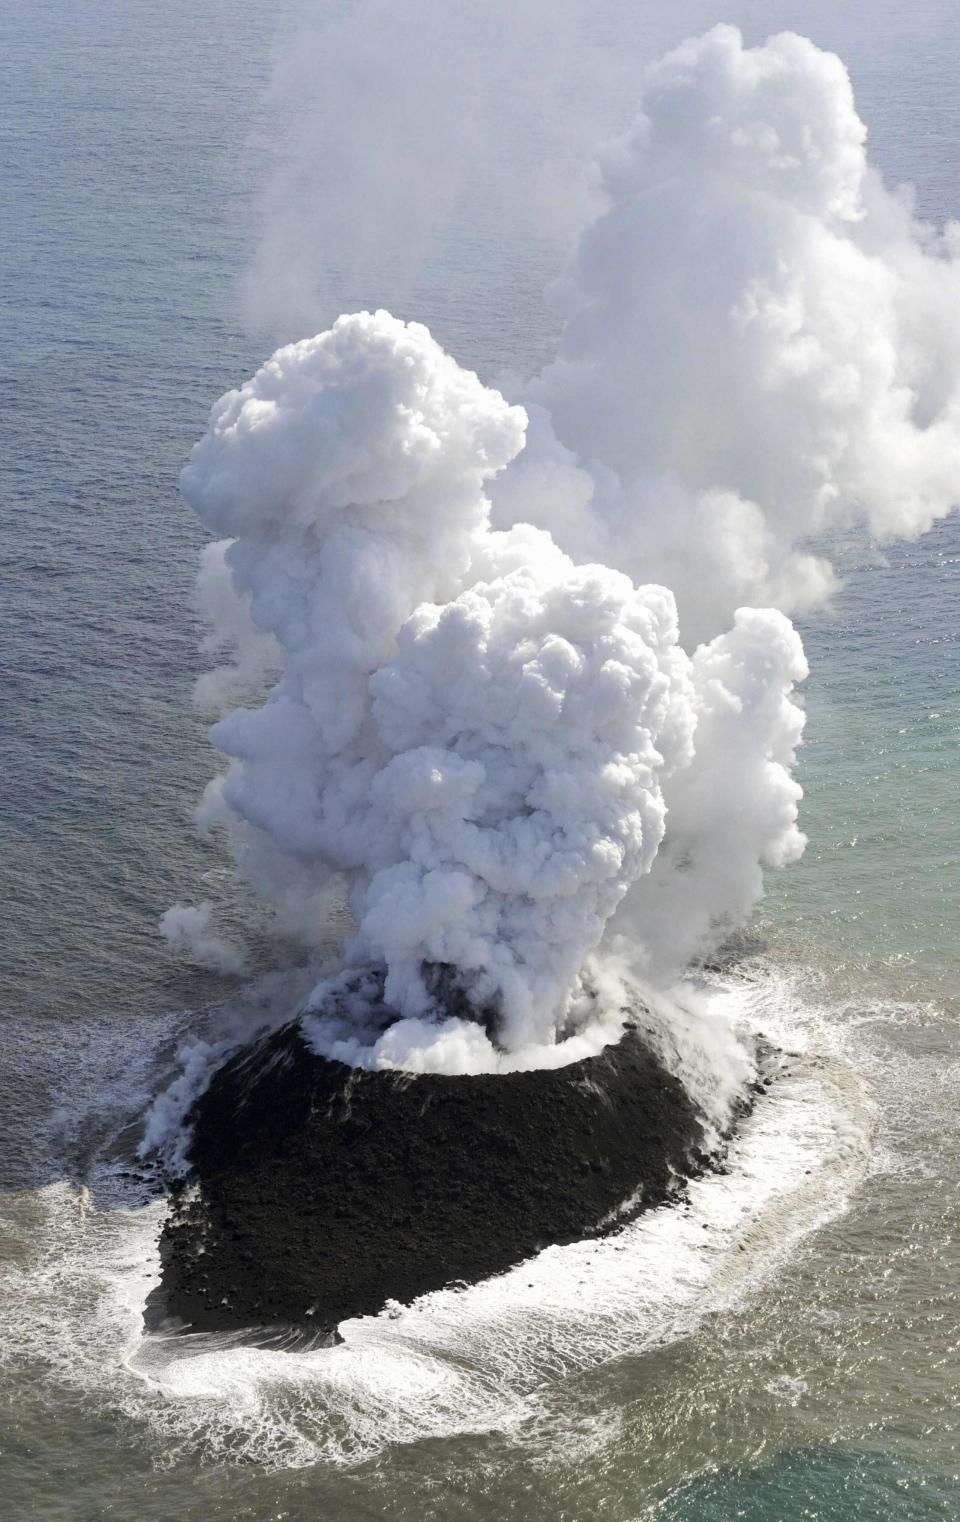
[
  {"x": 530, "y": 722},
  {"x": 733, "y": 811},
  {"x": 760, "y": 342},
  {"x": 500, "y": 745},
  {"x": 475, "y": 731}
]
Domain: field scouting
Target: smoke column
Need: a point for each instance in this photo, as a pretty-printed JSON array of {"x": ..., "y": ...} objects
[
  {"x": 532, "y": 778},
  {"x": 760, "y": 344}
]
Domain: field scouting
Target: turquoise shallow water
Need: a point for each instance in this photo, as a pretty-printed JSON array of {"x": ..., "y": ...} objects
[
  {"x": 876, "y": 890},
  {"x": 818, "y": 1483},
  {"x": 131, "y": 143}
]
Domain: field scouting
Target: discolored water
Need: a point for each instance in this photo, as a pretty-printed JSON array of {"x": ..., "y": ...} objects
[{"x": 788, "y": 1345}]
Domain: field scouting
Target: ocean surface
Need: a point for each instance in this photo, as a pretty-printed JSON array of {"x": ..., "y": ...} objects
[{"x": 784, "y": 1347}]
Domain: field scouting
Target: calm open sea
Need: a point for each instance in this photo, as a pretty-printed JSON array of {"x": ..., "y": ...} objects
[{"x": 785, "y": 1348}]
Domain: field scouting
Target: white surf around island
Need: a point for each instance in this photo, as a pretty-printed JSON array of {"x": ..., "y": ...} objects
[{"x": 465, "y": 1359}]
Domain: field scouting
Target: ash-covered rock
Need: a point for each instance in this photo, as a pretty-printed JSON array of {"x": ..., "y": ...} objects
[{"x": 319, "y": 1191}]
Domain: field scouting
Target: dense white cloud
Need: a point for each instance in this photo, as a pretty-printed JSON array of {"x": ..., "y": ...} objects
[
  {"x": 484, "y": 718},
  {"x": 759, "y": 342},
  {"x": 477, "y": 732}
]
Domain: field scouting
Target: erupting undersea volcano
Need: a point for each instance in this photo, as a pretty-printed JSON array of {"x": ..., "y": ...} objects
[{"x": 541, "y": 792}]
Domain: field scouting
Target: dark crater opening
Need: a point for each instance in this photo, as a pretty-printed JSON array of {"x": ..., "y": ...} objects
[{"x": 319, "y": 1191}]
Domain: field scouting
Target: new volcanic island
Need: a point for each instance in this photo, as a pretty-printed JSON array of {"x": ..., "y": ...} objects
[{"x": 318, "y": 1191}]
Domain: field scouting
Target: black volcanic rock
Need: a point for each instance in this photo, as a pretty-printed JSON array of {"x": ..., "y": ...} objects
[{"x": 320, "y": 1191}]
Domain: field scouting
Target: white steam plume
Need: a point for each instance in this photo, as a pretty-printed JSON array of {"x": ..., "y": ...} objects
[
  {"x": 733, "y": 811},
  {"x": 760, "y": 341},
  {"x": 530, "y": 723},
  {"x": 480, "y": 735},
  {"x": 500, "y": 745}
]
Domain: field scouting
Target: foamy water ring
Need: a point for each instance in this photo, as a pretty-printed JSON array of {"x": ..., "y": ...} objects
[{"x": 463, "y": 1359}]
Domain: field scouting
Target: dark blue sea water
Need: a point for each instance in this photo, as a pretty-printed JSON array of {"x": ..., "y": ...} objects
[{"x": 134, "y": 141}]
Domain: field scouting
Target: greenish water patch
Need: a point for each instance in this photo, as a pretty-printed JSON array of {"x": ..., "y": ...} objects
[
  {"x": 818, "y": 1485},
  {"x": 877, "y": 892}
]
